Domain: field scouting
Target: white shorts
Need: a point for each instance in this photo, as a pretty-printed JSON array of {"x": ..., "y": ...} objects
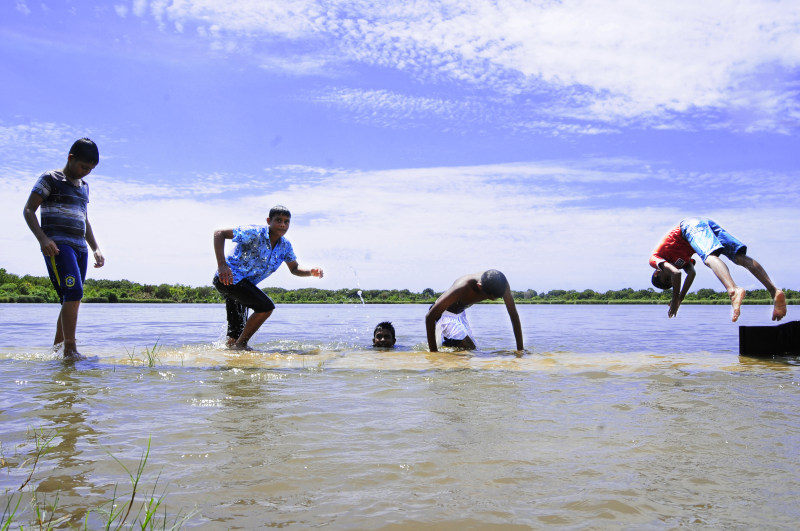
[{"x": 455, "y": 325}]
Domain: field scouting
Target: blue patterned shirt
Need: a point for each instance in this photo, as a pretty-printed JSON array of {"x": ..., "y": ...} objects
[
  {"x": 253, "y": 258},
  {"x": 63, "y": 209}
]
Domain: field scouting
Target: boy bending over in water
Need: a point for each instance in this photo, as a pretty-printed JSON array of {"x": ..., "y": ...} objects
[
  {"x": 704, "y": 237},
  {"x": 450, "y": 309},
  {"x": 258, "y": 253}
]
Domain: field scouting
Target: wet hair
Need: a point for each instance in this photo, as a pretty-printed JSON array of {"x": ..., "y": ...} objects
[
  {"x": 85, "y": 150},
  {"x": 386, "y": 325},
  {"x": 279, "y": 210},
  {"x": 659, "y": 282},
  {"x": 494, "y": 283}
]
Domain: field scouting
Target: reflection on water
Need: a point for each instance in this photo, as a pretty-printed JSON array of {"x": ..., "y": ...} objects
[{"x": 616, "y": 417}]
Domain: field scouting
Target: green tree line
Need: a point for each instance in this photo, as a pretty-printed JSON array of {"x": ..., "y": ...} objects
[{"x": 27, "y": 288}]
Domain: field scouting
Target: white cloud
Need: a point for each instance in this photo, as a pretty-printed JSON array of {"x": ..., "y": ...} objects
[
  {"x": 22, "y": 7},
  {"x": 607, "y": 61}
]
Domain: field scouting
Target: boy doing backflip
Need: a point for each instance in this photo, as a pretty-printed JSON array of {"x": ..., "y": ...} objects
[
  {"x": 704, "y": 237},
  {"x": 258, "y": 253},
  {"x": 63, "y": 196},
  {"x": 449, "y": 310}
]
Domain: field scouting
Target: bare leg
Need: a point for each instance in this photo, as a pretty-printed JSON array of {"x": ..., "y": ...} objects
[
  {"x": 779, "y": 306},
  {"x": 59, "y": 330},
  {"x": 68, "y": 319},
  {"x": 736, "y": 293},
  {"x": 466, "y": 343},
  {"x": 252, "y": 325}
]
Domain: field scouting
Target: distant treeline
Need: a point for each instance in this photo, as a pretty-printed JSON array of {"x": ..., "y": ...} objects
[{"x": 14, "y": 288}]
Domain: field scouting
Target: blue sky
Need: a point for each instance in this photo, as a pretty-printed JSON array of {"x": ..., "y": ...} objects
[{"x": 556, "y": 141}]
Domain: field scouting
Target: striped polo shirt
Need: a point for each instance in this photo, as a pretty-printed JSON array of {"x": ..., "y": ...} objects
[{"x": 63, "y": 209}]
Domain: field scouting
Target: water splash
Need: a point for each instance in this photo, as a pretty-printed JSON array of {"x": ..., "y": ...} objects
[{"x": 360, "y": 297}]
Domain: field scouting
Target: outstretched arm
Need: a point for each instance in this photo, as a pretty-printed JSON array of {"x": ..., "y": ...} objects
[
  {"x": 511, "y": 307},
  {"x": 223, "y": 270},
  {"x": 298, "y": 271},
  {"x": 430, "y": 331},
  {"x": 49, "y": 247},
  {"x": 435, "y": 311}
]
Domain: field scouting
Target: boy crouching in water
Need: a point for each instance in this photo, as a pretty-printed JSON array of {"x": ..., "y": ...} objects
[
  {"x": 449, "y": 310},
  {"x": 63, "y": 234},
  {"x": 258, "y": 253},
  {"x": 704, "y": 237}
]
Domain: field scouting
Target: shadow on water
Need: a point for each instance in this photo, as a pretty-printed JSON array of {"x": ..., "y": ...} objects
[
  {"x": 770, "y": 362},
  {"x": 63, "y": 412}
]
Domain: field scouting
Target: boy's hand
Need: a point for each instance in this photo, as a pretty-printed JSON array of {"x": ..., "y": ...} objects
[
  {"x": 317, "y": 272},
  {"x": 673, "y": 307},
  {"x": 99, "y": 259},
  {"x": 225, "y": 274},
  {"x": 49, "y": 247}
]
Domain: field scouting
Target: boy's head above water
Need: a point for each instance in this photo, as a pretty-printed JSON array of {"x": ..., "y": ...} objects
[
  {"x": 383, "y": 336},
  {"x": 494, "y": 283}
]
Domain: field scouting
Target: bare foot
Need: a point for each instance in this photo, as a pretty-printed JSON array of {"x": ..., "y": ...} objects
[
  {"x": 240, "y": 346},
  {"x": 73, "y": 355},
  {"x": 779, "y": 308},
  {"x": 736, "y": 302}
]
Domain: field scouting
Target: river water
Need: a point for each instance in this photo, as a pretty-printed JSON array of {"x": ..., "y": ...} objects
[{"x": 616, "y": 417}]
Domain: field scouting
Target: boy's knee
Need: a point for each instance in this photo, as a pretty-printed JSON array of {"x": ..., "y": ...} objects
[
  {"x": 742, "y": 259},
  {"x": 72, "y": 289}
]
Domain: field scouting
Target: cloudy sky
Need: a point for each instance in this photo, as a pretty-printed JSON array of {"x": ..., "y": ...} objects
[{"x": 412, "y": 141}]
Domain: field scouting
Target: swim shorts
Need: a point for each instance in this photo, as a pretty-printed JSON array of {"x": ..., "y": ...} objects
[
  {"x": 67, "y": 272},
  {"x": 238, "y": 298},
  {"x": 454, "y": 326},
  {"x": 706, "y": 237}
]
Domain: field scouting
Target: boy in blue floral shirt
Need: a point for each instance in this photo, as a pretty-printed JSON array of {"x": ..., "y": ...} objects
[{"x": 259, "y": 252}]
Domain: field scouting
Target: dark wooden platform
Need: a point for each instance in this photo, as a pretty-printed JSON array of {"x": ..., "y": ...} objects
[{"x": 768, "y": 341}]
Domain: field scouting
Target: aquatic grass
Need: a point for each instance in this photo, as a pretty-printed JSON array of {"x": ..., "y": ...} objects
[
  {"x": 114, "y": 514},
  {"x": 151, "y": 355},
  {"x": 43, "y": 444},
  {"x": 146, "y": 515},
  {"x": 149, "y": 358}
]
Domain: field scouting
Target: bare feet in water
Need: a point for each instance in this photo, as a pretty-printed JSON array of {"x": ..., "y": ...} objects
[
  {"x": 736, "y": 302},
  {"x": 237, "y": 346},
  {"x": 73, "y": 355},
  {"x": 779, "y": 308}
]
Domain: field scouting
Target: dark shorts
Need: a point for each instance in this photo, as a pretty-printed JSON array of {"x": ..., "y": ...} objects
[
  {"x": 238, "y": 298},
  {"x": 447, "y": 342},
  {"x": 67, "y": 272}
]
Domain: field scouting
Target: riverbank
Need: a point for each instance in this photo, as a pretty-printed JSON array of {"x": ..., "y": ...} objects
[{"x": 31, "y": 289}]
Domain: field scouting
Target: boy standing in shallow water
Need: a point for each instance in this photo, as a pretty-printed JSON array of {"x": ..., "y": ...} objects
[
  {"x": 259, "y": 252},
  {"x": 450, "y": 309},
  {"x": 64, "y": 232},
  {"x": 704, "y": 237}
]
